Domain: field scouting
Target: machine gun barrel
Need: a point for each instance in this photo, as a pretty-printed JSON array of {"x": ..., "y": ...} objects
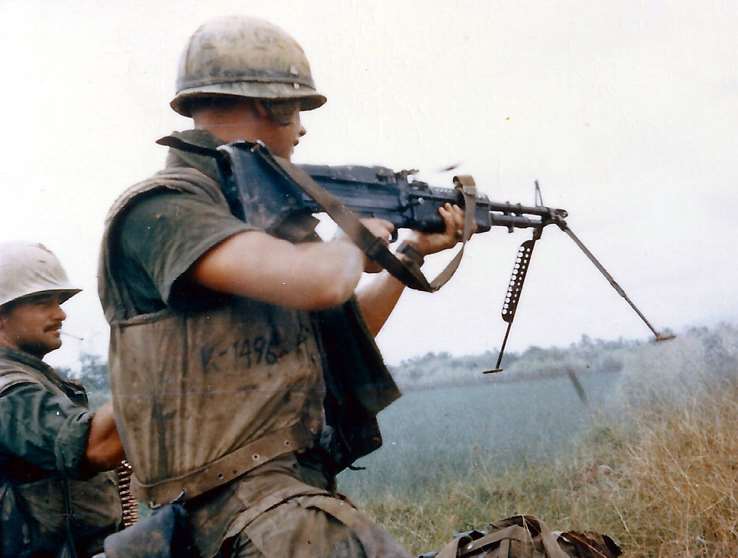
[
  {"x": 413, "y": 204},
  {"x": 514, "y": 221},
  {"x": 517, "y": 209}
]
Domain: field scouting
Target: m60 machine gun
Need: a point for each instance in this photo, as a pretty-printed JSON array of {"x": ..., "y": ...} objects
[{"x": 270, "y": 192}]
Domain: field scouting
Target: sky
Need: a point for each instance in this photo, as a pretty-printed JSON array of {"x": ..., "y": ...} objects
[{"x": 625, "y": 112}]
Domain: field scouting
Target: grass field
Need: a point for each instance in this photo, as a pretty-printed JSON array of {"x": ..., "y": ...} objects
[
  {"x": 660, "y": 476},
  {"x": 430, "y": 435}
]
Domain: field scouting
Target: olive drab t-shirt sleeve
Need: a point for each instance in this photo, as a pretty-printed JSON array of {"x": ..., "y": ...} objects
[
  {"x": 162, "y": 235},
  {"x": 44, "y": 428}
]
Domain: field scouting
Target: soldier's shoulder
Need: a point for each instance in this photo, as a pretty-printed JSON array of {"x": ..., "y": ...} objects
[
  {"x": 165, "y": 183},
  {"x": 12, "y": 375},
  {"x": 18, "y": 367}
]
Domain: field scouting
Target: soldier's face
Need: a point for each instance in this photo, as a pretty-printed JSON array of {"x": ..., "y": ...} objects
[
  {"x": 33, "y": 324},
  {"x": 286, "y": 133}
]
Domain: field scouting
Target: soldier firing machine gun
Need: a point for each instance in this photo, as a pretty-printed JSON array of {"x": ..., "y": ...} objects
[{"x": 270, "y": 192}]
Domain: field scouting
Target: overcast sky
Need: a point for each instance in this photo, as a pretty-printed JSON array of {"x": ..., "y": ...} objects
[{"x": 626, "y": 112}]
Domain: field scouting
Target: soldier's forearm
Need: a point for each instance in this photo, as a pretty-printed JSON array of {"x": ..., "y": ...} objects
[
  {"x": 308, "y": 276},
  {"x": 104, "y": 449},
  {"x": 377, "y": 299}
]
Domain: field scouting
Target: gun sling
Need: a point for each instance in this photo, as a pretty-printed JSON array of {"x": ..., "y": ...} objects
[
  {"x": 225, "y": 468},
  {"x": 407, "y": 271},
  {"x": 373, "y": 247}
]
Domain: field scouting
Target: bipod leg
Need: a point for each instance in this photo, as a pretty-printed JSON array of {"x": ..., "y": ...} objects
[
  {"x": 613, "y": 283},
  {"x": 514, "y": 289},
  {"x": 502, "y": 352}
]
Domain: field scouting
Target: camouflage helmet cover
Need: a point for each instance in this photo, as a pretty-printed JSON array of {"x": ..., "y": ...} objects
[
  {"x": 244, "y": 57},
  {"x": 28, "y": 268}
]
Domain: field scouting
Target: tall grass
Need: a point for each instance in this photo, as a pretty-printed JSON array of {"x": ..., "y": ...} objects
[
  {"x": 683, "y": 476},
  {"x": 664, "y": 485}
]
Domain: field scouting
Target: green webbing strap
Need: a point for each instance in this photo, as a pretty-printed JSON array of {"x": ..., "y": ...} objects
[
  {"x": 223, "y": 469},
  {"x": 463, "y": 546},
  {"x": 372, "y": 246}
]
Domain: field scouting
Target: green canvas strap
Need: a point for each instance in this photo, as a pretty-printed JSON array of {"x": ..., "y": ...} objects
[
  {"x": 224, "y": 469},
  {"x": 373, "y": 247},
  {"x": 405, "y": 270},
  {"x": 463, "y": 546}
]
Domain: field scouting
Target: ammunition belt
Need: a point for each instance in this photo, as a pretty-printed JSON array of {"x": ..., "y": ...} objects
[{"x": 127, "y": 500}]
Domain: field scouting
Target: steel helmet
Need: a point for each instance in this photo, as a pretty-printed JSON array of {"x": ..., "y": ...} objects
[
  {"x": 244, "y": 57},
  {"x": 28, "y": 268}
]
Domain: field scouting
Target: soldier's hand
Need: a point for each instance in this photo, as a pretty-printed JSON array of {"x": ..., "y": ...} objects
[
  {"x": 430, "y": 243},
  {"x": 382, "y": 229}
]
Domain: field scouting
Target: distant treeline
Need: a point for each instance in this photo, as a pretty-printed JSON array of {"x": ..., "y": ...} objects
[
  {"x": 711, "y": 348},
  {"x": 716, "y": 348}
]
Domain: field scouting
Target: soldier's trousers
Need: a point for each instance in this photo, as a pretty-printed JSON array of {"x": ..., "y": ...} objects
[{"x": 314, "y": 527}]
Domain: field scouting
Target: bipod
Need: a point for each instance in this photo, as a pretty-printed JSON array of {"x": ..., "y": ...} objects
[
  {"x": 520, "y": 270},
  {"x": 514, "y": 289},
  {"x": 658, "y": 336}
]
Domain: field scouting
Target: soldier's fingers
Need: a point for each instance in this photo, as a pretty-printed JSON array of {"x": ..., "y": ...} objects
[
  {"x": 458, "y": 213},
  {"x": 449, "y": 220},
  {"x": 379, "y": 227}
]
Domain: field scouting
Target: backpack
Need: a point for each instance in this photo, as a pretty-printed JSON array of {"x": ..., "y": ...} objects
[{"x": 525, "y": 536}]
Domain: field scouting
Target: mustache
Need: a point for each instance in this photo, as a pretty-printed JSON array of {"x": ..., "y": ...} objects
[{"x": 53, "y": 327}]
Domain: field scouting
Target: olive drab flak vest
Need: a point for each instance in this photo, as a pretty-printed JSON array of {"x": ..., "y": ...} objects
[
  {"x": 201, "y": 397},
  {"x": 192, "y": 387}
]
